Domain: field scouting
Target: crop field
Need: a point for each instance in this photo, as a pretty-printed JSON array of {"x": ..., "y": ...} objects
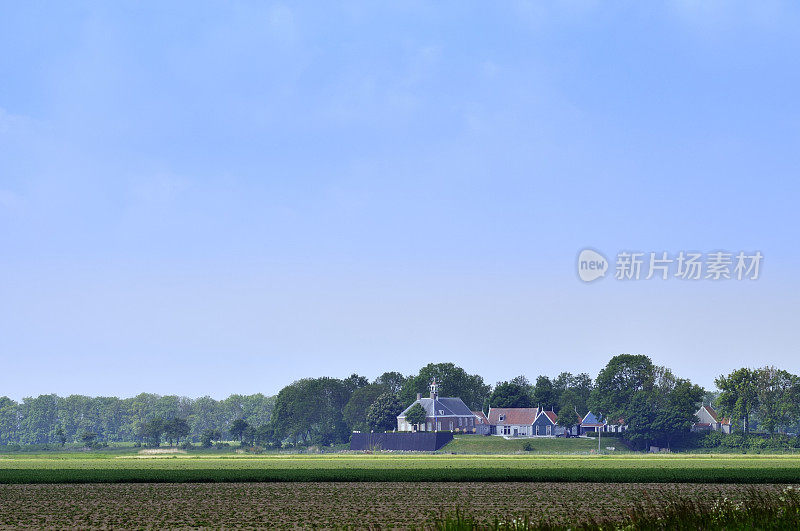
[
  {"x": 480, "y": 444},
  {"x": 72, "y": 468},
  {"x": 170, "y": 505}
]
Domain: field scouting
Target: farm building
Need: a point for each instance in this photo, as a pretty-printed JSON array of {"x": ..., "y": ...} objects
[
  {"x": 513, "y": 421},
  {"x": 523, "y": 422},
  {"x": 708, "y": 420},
  {"x": 449, "y": 414},
  {"x": 545, "y": 424},
  {"x": 482, "y": 426},
  {"x": 590, "y": 423}
]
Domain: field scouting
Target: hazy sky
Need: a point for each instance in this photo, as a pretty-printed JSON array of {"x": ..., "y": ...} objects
[{"x": 209, "y": 198}]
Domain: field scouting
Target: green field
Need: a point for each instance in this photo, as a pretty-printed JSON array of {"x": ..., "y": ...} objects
[
  {"x": 480, "y": 444},
  {"x": 72, "y": 468}
]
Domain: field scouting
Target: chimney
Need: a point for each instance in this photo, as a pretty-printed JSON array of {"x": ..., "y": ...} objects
[{"x": 419, "y": 395}]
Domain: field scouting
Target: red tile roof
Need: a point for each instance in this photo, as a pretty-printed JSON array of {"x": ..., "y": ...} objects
[
  {"x": 481, "y": 418},
  {"x": 522, "y": 416}
]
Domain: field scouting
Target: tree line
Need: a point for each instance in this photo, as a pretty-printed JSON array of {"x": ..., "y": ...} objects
[{"x": 657, "y": 406}]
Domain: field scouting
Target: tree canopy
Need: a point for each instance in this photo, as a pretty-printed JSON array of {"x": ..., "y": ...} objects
[
  {"x": 454, "y": 381},
  {"x": 508, "y": 394}
]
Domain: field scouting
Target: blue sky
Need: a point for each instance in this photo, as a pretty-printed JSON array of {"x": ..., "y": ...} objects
[{"x": 208, "y": 198}]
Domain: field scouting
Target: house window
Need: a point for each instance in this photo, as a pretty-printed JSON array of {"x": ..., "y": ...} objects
[
  {"x": 537, "y": 430},
  {"x": 506, "y": 430},
  {"x": 460, "y": 420},
  {"x": 441, "y": 411},
  {"x": 549, "y": 430},
  {"x": 502, "y": 418}
]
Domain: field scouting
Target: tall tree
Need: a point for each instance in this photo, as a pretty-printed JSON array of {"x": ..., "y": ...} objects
[
  {"x": 355, "y": 412},
  {"x": 9, "y": 421},
  {"x": 310, "y": 411},
  {"x": 175, "y": 429},
  {"x": 567, "y": 413},
  {"x": 238, "y": 427},
  {"x": 677, "y": 399},
  {"x": 354, "y": 381},
  {"x": 453, "y": 382},
  {"x": 738, "y": 397},
  {"x": 618, "y": 381},
  {"x": 392, "y": 381},
  {"x": 382, "y": 413},
  {"x": 508, "y": 394},
  {"x": 777, "y": 396},
  {"x": 38, "y": 419},
  {"x": 544, "y": 394},
  {"x": 151, "y": 430}
]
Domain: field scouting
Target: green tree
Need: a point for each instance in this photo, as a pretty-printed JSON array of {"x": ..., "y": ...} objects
[
  {"x": 88, "y": 438},
  {"x": 392, "y": 381},
  {"x": 738, "y": 397},
  {"x": 567, "y": 418},
  {"x": 567, "y": 408},
  {"x": 208, "y": 437},
  {"x": 777, "y": 397},
  {"x": 151, "y": 430},
  {"x": 580, "y": 387},
  {"x": 9, "y": 421},
  {"x": 38, "y": 418},
  {"x": 355, "y": 411},
  {"x": 238, "y": 429},
  {"x": 618, "y": 381},
  {"x": 310, "y": 411},
  {"x": 264, "y": 435},
  {"x": 677, "y": 400},
  {"x": 382, "y": 413},
  {"x": 175, "y": 429},
  {"x": 354, "y": 381},
  {"x": 544, "y": 394},
  {"x": 61, "y": 437},
  {"x": 416, "y": 415},
  {"x": 661, "y": 411},
  {"x": 249, "y": 435},
  {"x": 508, "y": 394},
  {"x": 453, "y": 382}
]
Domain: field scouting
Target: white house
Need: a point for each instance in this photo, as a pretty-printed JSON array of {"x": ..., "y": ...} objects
[
  {"x": 708, "y": 420},
  {"x": 523, "y": 422}
]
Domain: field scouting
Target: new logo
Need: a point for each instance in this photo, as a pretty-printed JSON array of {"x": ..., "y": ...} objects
[{"x": 591, "y": 265}]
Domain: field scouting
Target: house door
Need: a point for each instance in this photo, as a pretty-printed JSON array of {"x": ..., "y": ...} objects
[
  {"x": 549, "y": 430},
  {"x": 537, "y": 430},
  {"x": 516, "y": 432}
]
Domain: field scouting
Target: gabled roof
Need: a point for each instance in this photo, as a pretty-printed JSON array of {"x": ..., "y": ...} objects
[
  {"x": 711, "y": 412},
  {"x": 450, "y": 407},
  {"x": 522, "y": 416},
  {"x": 480, "y": 418},
  {"x": 551, "y": 415},
  {"x": 591, "y": 420}
]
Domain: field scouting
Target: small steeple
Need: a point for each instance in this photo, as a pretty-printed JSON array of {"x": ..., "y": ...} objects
[{"x": 434, "y": 389}]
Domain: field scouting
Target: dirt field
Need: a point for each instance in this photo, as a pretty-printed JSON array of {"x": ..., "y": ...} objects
[{"x": 325, "y": 504}]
